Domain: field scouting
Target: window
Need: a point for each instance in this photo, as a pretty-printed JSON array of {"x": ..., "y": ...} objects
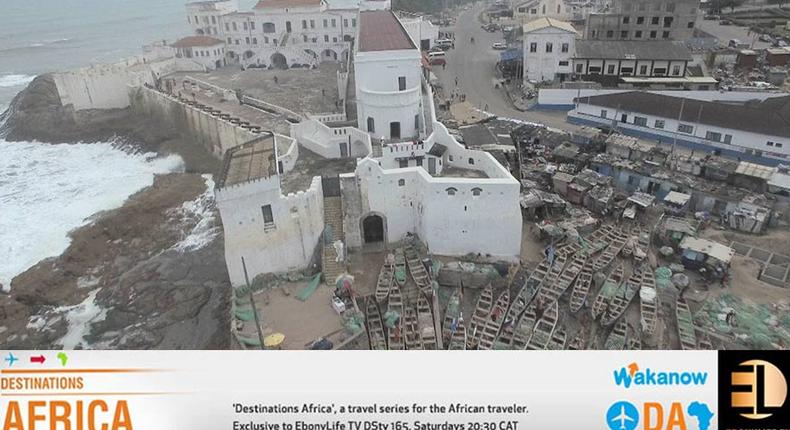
[
  {"x": 610, "y": 69},
  {"x": 522, "y": 10},
  {"x": 640, "y": 121},
  {"x": 653, "y": 34},
  {"x": 268, "y": 218},
  {"x": 640, "y": 20},
  {"x": 304, "y": 24},
  {"x": 563, "y": 63},
  {"x": 770, "y": 143},
  {"x": 471, "y": 161},
  {"x": 544, "y": 9},
  {"x": 401, "y": 83},
  {"x": 659, "y": 123},
  {"x": 234, "y": 26},
  {"x": 533, "y": 11},
  {"x": 230, "y": 41},
  {"x": 565, "y": 47},
  {"x": 685, "y": 128},
  {"x": 451, "y": 191},
  {"x": 626, "y": 71},
  {"x": 403, "y": 163},
  {"x": 728, "y": 139},
  {"x": 326, "y": 38},
  {"x": 304, "y": 38},
  {"x": 244, "y": 25},
  {"x": 266, "y": 39},
  {"x": 326, "y": 23},
  {"x": 533, "y": 47},
  {"x": 353, "y": 22},
  {"x": 659, "y": 71},
  {"x": 477, "y": 191},
  {"x": 665, "y": 35},
  {"x": 238, "y": 42},
  {"x": 603, "y": 113},
  {"x": 268, "y": 27},
  {"x": 624, "y": 34},
  {"x": 690, "y": 24},
  {"x": 345, "y": 22},
  {"x": 227, "y": 27},
  {"x": 654, "y": 20},
  {"x": 312, "y": 23},
  {"x": 638, "y": 34},
  {"x": 371, "y": 125},
  {"x": 252, "y": 25},
  {"x": 580, "y": 68},
  {"x": 548, "y": 46},
  {"x": 247, "y": 40},
  {"x": 254, "y": 40},
  {"x": 419, "y": 162},
  {"x": 334, "y": 23},
  {"x": 712, "y": 135},
  {"x": 675, "y": 70},
  {"x": 609, "y": 34},
  {"x": 626, "y": 19},
  {"x": 778, "y": 145},
  {"x": 401, "y": 182},
  {"x": 668, "y": 21},
  {"x": 334, "y": 39},
  {"x": 594, "y": 70}
]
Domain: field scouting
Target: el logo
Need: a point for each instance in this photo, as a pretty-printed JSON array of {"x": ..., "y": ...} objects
[{"x": 758, "y": 389}]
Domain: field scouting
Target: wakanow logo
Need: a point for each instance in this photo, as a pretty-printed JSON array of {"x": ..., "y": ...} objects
[{"x": 632, "y": 375}]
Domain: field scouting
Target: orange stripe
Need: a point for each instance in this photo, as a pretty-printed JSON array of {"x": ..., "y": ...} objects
[
  {"x": 89, "y": 394},
  {"x": 39, "y": 371}
]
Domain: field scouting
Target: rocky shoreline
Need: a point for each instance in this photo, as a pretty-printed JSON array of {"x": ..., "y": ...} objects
[{"x": 123, "y": 283}]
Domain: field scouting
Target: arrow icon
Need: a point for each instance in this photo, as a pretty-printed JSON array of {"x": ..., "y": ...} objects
[
  {"x": 633, "y": 368},
  {"x": 39, "y": 359}
]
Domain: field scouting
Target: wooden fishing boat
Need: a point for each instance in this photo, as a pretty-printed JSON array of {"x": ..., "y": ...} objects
[
  {"x": 534, "y": 280},
  {"x": 557, "y": 340},
  {"x": 704, "y": 341},
  {"x": 616, "y": 339},
  {"x": 617, "y": 240},
  {"x": 393, "y": 319},
  {"x": 425, "y": 323},
  {"x": 643, "y": 243},
  {"x": 622, "y": 298},
  {"x": 686, "y": 331},
  {"x": 520, "y": 302},
  {"x": 648, "y": 303},
  {"x": 480, "y": 316},
  {"x": 458, "y": 336},
  {"x": 411, "y": 330},
  {"x": 581, "y": 287},
  {"x": 417, "y": 269},
  {"x": 375, "y": 326},
  {"x": 578, "y": 342},
  {"x": 544, "y": 328},
  {"x": 608, "y": 290},
  {"x": 634, "y": 342},
  {"x": 400, "y": 267},
  {"x": 386, "y": 276},
  {"x": 451, "y": 315},
  {"x": 490, "y": 330},
  {"x": 553, "y": 292},
  {"x": 524, "y": 327}
]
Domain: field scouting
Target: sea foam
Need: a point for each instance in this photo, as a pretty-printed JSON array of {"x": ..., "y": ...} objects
[
  {"x": 8, "y": 81},
  {"x": 48, "y": 190}
]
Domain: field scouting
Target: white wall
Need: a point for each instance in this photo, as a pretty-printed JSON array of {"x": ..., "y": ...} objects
[
  {"x": 544, "y": 66},
  {"x": 543, "y": 9},
  {"x": 326, "y": 141},
  {"x": 556, "y": 96},
  {"x": 419, "y": 29},
  {"x": 298, "y": 219},
  {"x": 378, "y": 96}
]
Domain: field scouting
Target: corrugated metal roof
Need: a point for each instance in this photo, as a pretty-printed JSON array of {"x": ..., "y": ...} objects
[
  {"x": 677, "y": 198},
  {"x": 712, "y": 249},
  {"x": 755, "y": 170},
  {"x": 632, "y": 50},
  {"x": 380, "y": 30},
  {"x": 542, "y": 23}
]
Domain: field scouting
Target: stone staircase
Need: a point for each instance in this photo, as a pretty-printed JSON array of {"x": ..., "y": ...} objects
[{"x": 333, "y": 230}]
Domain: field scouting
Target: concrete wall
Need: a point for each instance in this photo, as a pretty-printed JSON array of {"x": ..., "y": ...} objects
[
  {"x": 214, "y": 133},
  {"x": 327, "y": 141},
  {"x": 287, "y": 246},
  {"x": 551, "y": 97}
]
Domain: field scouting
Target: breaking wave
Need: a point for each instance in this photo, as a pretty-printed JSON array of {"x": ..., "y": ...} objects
[
  {"x": 202, "y": 212},
  {"x": 8, "y": 81}
]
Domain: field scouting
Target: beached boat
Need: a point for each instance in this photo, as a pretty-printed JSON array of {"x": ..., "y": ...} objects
[
  {"x": 557, "y": 340},
  {"x": 616, "y": 339},
  {"x": 458, "y": 335},
  {"x": 524, "y": 327},
  {"x": 480, "y": 316},
  {"x": 578, "y": 342},
  {"x": 686, "y": 331},
  {"x": 425, "y": 323},
  {"x": 411, "y": 330},
  {"x": 553, "y": 292},
  {"x": 608, "y": 290},
  {"x": 648, "y": 303},
  {"x": 521, "y": 300},
  {"x": 634, "y": 342},
  {"x": 622, "y": 298},
  {"x": 704, "y": 341},
  {"x": 617, "y": 240},
  {"x": 544, "y": 328},
  {"x": 581, "y": 287},
  {"x": 597, "y": 241},
  {"x": 375, "y": 326},
  {"x": 490, "y": 330},
  {"x": 534, "y": 280},
  {"x": 400, "y": 267},
  {"x": 386, "y": 276},
  {"x": 393, "y": 319},
  {"x": 451, "y": 315},
  {"x": 417, "y": 269}
]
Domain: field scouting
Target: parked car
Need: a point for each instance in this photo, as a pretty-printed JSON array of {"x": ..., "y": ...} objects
[
  {"x": 499, "y": 46},
  {"x": 445, "y": 44},
  {"x": 725, "y": 22},
  {"x": 711, "y": 17},
  {"x": 766, "y": 38},
  {"x": 437, "y": 58}
]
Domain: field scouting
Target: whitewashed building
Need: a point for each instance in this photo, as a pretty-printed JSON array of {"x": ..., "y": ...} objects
[
  {"x": 205, "y": 50},
  {"x": 757, "y": 132},
  {"x": 549, "y": 47},
  {"x": 598, "y": 58},
  {"x": 419, "y": 181},
  {"x": 531, "y": 10}
]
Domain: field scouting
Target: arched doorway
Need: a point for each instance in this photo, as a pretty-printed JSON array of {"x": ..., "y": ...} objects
[
  {"x": 373, "y": 228},
  {"x": 218, "y": 64},
  {"x": 278, "y": 61},
  {"x": 248, "y": 54},
  {"x": 329, "y": 54},
  {"x": 344, "y": 56}
]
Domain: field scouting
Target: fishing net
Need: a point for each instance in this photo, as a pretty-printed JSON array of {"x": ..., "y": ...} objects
[
  {"x": 353, "y": 322},
  {"x": 757, "y": 326},
  {"x": 244, "y": 314},
  {"x": 663, "y": 277},
  {"x": 391, "y": 318}
]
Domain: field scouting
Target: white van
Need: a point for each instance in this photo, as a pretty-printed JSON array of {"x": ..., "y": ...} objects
[{"x": 437, "y": 58}]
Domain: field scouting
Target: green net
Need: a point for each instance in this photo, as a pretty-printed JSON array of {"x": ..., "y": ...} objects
[
  {"x": 756, "y": 326},
  {"x": 244, "y": 314},
  {"x": 391, "y": 318},
  {"x": 311, "y": 287},
  {"x": 249, "y": 341},
  {"x": 664, "y": 277}
]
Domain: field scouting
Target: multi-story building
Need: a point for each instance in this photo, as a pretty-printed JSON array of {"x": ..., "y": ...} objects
[
  {"x": 549, "y": 46},
  {"x": 282, "y": 33},
  {"x": 206, "y": 50},
  {"x": 597, "y": 59},
  {"x": 530, "y": 10},
  {"x": 644, "y": 20}
]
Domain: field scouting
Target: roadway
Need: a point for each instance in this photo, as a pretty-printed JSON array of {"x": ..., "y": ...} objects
[{"x": 474, "y": 65}]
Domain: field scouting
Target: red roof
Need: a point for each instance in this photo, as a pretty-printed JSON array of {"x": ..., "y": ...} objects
[
  {"x": 281, "y": 4},
  {"x": 195, "y": 41},
  {"x": 380, "y": 30}
]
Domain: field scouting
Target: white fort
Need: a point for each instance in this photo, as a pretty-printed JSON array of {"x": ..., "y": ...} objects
[{"x": 405, "y": 175}]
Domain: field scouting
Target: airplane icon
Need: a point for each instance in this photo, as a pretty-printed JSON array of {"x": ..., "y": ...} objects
[
  {"x": 622, "y": 418},
  {"x": 11, "y": 359}
]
